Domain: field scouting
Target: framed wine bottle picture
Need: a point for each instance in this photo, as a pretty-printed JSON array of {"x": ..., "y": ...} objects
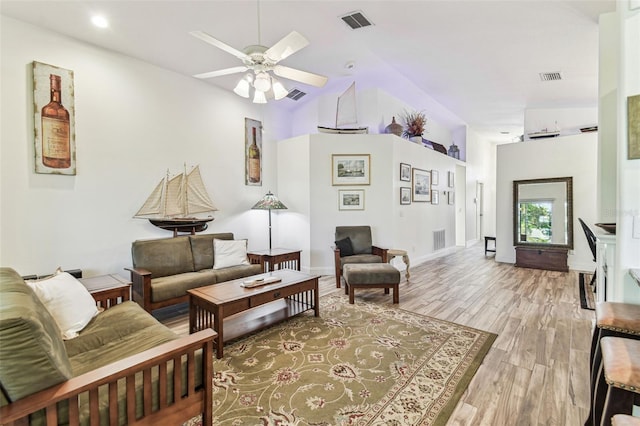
[
  {"x": 54, "y": 120},
  {"x": 253, "y": 152}
]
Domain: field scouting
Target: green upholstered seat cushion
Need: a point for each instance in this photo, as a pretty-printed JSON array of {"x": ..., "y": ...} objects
[
  {"x": 202, "y": 248},
  {"x": 165, "y": 288},
  {"x": 163, "y": 257},
  {"x": 360, "y": 258},
  {"x": 120, "y": 331},
  {"x": 31, "y": 345},
  {"x": 366, "y": 273},
  {"x": 360, "y": 237}
]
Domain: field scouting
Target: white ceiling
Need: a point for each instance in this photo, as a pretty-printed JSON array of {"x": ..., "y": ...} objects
[{"x": 480, "y": 59}]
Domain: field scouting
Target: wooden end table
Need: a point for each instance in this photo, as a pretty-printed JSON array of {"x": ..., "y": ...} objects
[
  {"x": 233, "y": 311},
  {"x": 280, "y": 257},
  {"x": 108, "y": 290}
]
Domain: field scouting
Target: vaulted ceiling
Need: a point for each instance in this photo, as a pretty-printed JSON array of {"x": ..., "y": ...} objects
[{"x": 479, "y": 59}]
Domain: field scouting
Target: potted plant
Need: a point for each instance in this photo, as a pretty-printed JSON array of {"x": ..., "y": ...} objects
[{"x": 414, "y": 123}]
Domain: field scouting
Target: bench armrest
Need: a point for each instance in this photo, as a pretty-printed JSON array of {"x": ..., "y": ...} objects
[{"x": 141, "y": 287}]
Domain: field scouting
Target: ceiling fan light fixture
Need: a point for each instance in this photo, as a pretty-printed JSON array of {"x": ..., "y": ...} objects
[
  {"x": 242, "y": 88},
  {"x": 259, "y": 97},
  {"x": 279, "y": 91},
  {"x": 262, "y": 83}
]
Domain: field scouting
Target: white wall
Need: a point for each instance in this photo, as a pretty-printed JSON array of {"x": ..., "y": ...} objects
[
  {"x": 133, "y": 122},
  {"x": 304, "y": 181},
  {"x": 573, "y": 156},
  {"x": 628, "y": 173},
  {"x": 568, "y": 121}
]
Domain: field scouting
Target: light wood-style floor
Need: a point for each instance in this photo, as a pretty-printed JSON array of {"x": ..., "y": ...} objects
[{"x": 537, "y": 372}]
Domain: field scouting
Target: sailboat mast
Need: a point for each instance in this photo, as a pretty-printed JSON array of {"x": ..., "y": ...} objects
[
  {"x": 164, "y": 195},
  {"x": 185, "y": 192}
]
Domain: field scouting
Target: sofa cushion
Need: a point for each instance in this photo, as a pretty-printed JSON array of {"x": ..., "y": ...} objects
[
  {"x": 360, "y": 237},
  {"x": 345, "y": 247},
  {"x": 235, "y": 272},
  {"x": 163, "y": 257},
  {"x": 31, "y": 345},
  {"x": 360, "y": 258},
  {"x": 120, "y": 331},
  {"x": 165, "y": 288},
  {"x": 227, "y": 253},
  {"x": 68, "y": 302},
  {"x": 202, "y": 248}
]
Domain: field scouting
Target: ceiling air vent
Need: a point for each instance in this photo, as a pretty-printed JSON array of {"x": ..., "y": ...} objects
[
  {"x": 295, "y": 94},
  {"x": 356, "y": 20},
  {"x": 550, "y": 76}
]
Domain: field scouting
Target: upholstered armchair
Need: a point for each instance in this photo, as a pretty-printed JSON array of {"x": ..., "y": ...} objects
[{"x": 354, "y": 245}]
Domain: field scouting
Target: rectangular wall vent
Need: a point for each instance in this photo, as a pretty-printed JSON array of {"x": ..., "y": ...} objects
[
  {"x": 438, "y": 240},
  {"x": 295, "y": 94},
  {"x": 356, "y": 20},
  {"x": 550, "y": 76}
]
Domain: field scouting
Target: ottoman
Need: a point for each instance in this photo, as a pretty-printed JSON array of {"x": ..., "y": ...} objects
[{"x": 371, "y": 275}]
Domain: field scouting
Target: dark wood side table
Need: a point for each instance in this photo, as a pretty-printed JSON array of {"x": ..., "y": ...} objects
[
  {"x": 108, "y": 290},
  {"x": 282, "y": 258}
]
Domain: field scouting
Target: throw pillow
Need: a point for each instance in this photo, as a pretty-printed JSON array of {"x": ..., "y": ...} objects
[
  {"x": 345, "y": 247},
  {"x": 228, "y": 253},
  {"x": 68, "y": 301}
]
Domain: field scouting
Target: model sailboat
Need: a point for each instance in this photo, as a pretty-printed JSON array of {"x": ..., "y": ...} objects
[
  {"x": 346, "y": 118},
  {"x": 175, "y": 199}
]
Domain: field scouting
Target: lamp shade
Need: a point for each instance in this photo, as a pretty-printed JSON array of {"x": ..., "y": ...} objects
[
  {"x": 269, "y": 202},
  {"x": 279, "y": 91},
  {"x": 242, "y": 88},
  {"x": 262, "y": 82},
  {"x": 259, "y": 98}
]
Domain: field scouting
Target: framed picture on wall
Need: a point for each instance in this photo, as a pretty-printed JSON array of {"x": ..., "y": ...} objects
[
  {"x": 351, "y": 199},
  {"x": 54, "y": 120},
  {"x": 405, "y": 195},
  {"x": 451, "y": 179},
  {"x": 253, "y": 152},
  {"x": 350, "y": 169},
  {"x": 405, "y": 172},
  {"x": 435, "y": 197},
  {"x": 451, "y": 197},
  {"x": 434, "y": 178},
  {"x": 421, "y": 185}
]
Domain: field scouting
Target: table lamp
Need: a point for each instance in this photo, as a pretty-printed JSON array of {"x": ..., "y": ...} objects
[{"x": 269, "y": 202}]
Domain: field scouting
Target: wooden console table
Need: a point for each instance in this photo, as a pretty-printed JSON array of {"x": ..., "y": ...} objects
[
  {"x": 282, "y": 258},
  {"x": 551, "y": 259}
]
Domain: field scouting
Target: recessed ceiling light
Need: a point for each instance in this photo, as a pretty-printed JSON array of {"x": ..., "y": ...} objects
[{"x": 100, "y": 21}]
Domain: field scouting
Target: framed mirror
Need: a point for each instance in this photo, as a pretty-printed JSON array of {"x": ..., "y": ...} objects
[{"x": 543, "y": 212}]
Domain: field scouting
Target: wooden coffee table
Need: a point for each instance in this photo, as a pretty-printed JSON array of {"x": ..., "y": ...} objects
[{"x": 233, "y": 311}]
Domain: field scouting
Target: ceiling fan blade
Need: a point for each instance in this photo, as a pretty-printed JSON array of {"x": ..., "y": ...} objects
[
  {"x": 289, "y": 45},
  {"x": 218, "y": 73},
  {"x": 299, "y": 75},
  {"x": 220, "y": 45}
]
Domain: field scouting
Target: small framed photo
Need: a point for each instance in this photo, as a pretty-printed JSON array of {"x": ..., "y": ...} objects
[
  {"x": 421, "y": 185},
  {"x": 451, "y": 179},
  {"x": 435, "y": 197},
  {"x": 405, "y": 195},
  {"x": 434, "y": 178},
  {"x": 350, "y": 169},
  {"x": 451, "y": 197},
  {"x": 405, "y": 172},
  {"x": 351, "y": 199}
]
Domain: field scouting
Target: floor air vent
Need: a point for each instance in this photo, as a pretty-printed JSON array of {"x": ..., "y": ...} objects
[
  {"x": 356, "y": 20},
  {"x": 438, "y": 240},
  {"x": 295, "y": 94},
  {"x": 550, "y": 76}
]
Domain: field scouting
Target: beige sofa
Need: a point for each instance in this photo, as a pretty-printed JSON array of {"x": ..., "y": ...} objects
[
  {"x": 119, "y": 370},
  {"x": 164, "y": 269}
]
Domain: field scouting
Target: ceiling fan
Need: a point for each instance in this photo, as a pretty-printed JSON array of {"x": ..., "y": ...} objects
[{"x": 262, "y": 60}]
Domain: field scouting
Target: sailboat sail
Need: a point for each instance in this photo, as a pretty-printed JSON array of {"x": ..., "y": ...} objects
[
  {"x": 346, "y": 111},
  {"x": 346, "y": 117},
  {"x": 179, "y": 196},
  {"x": 198, "y": 200}
]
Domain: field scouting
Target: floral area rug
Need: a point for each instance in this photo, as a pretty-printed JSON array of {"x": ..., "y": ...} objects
[{"x": 361, "y": 364}]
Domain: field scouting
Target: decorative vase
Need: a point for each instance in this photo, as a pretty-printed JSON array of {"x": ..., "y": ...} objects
[
  {"x": 416, "y": 139},
  {"x": 394, "y": 128}
]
